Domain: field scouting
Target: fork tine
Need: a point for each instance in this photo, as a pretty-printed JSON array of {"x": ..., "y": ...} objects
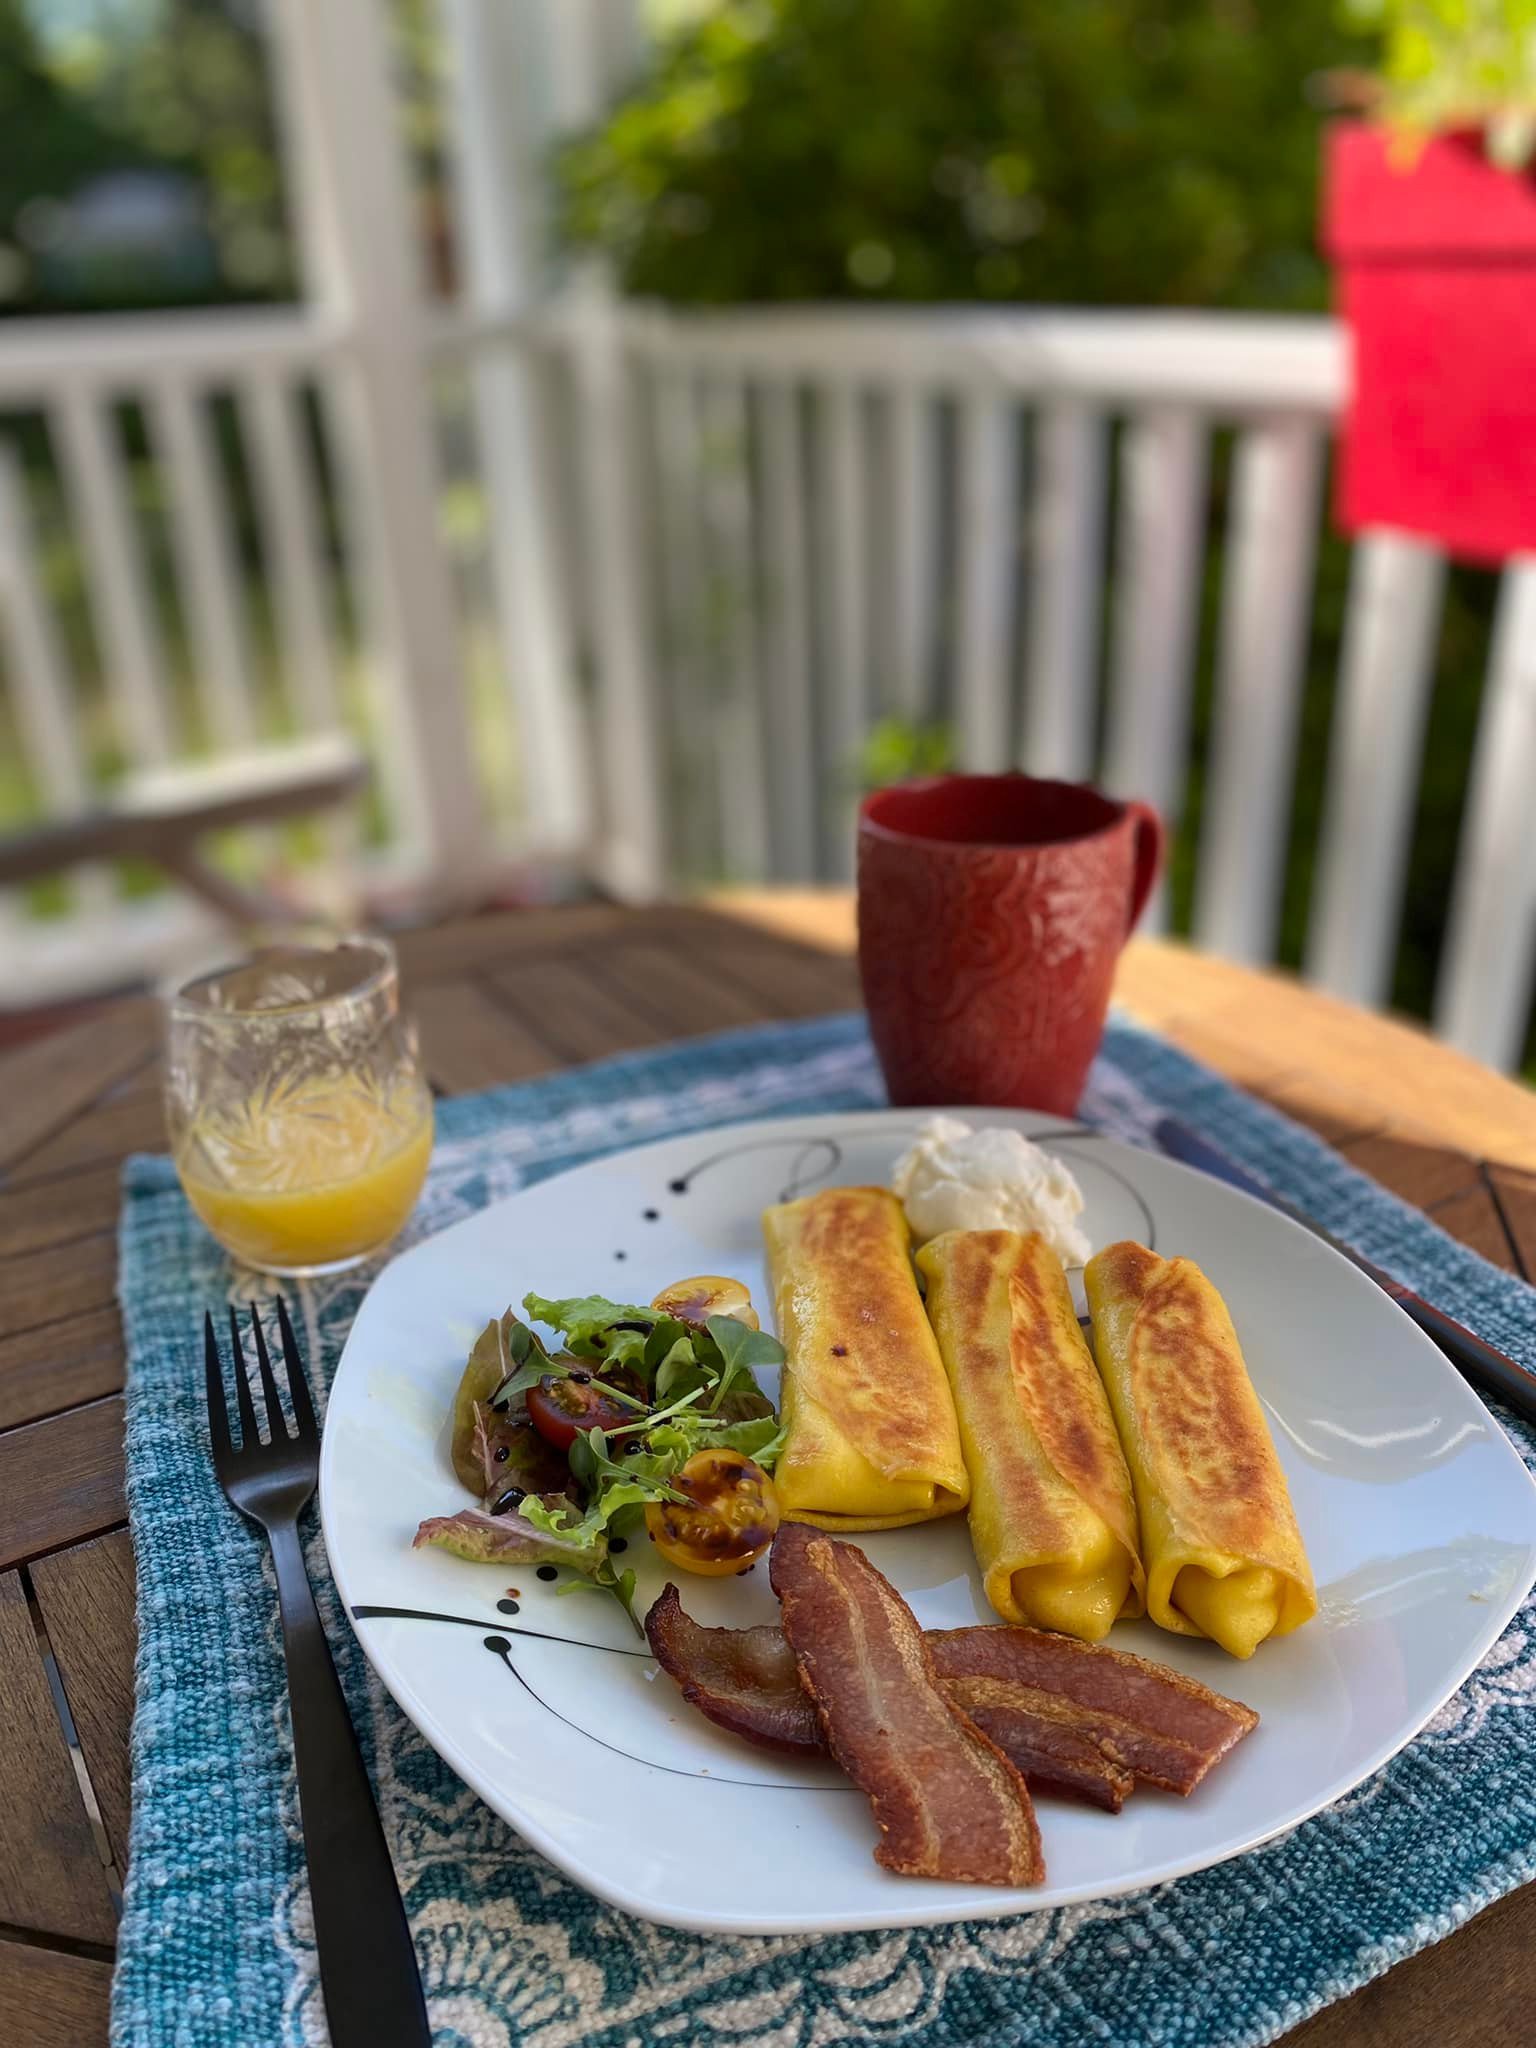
[
  {"x": 277, "y": 1422},
  {"x": 213, "y": 1373},
  {"x": 250, "y": 1436},
  {"x": 298, "y": 1386}
]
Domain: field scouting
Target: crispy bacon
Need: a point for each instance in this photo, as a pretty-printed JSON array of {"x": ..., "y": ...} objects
[
  {"x": 743, "y": 1679},
  {"x": 1048, "y": 1739},
  {"x": 945, "y": 1799},
  {"x": 1083, "y": 1721},
  {"x": 1165, "y": 1728},
  {"x": 746, "y": 1681}
]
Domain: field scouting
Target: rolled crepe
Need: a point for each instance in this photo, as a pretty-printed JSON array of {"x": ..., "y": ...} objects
[
  {"x": 1223, "y": 1554},
  {"x": 1053, "y": 1521},
  {"x": 871, "y": 1440}
]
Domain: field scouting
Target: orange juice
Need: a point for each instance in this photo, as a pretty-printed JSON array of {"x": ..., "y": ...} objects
[{"x": 310, "y": 1176}]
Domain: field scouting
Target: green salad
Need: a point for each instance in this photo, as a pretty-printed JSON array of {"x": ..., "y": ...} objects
[{"x": 643, "y": 1418}]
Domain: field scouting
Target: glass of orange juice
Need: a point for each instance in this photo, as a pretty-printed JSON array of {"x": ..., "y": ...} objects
[{"x": 299, "y": 1118}]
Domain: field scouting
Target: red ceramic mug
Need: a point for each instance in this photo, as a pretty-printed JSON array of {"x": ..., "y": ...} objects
[{"x": 992, "y": 910}]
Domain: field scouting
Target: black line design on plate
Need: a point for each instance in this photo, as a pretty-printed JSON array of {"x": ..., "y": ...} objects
[
  {"x": 479, "y": 1621},
  {"x": 800, "y": 1174},
  {"x": 500, "y": 1647},
  {"x": 1149, "y": 1223},
  {"x": 830, "y": 1146},
  {"x": 498, "y": 1644}
]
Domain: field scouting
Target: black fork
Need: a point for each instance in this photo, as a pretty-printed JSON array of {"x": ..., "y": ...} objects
[{"x": 368, "y": 1974}]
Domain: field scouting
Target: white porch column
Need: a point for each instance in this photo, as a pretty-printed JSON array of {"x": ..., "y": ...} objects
[
  {"x": 590, "y": 42},
  {"x": 355, "y": 220},
  {"x": 499, "y": 139}
]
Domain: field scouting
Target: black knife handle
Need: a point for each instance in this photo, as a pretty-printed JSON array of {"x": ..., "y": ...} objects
[{"x": 1475, "y": 1359}]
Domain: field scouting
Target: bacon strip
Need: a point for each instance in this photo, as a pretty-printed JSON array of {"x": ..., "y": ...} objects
[
  {"x": 946, "y": 1801},
  {"x": 1165, "y": 1728},
  {"x": 1049, "y": 1739},
  {"x": 1083, "y": 1721},
  {"x": 746, "y": 1681},
  {"x": 742, "y": 1679}
]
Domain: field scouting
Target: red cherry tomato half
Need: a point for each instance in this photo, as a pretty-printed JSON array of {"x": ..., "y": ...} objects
[{"x": 560, "y": 1409}]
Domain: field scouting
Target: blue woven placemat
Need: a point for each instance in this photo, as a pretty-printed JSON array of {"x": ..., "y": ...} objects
[{"x": 216, "y": 1939}]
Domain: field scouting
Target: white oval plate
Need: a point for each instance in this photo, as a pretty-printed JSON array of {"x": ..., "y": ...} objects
[{"x": 1419, "y": 1517}]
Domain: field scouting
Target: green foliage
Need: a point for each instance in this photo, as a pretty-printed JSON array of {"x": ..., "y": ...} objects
[
  {"x": 177, "y": 86},
  {"x": 169, "y": 85},
  {"x": 1147, "y": 152},
  {"x": 897, "y": 749},
  {"x": 53, "y": 141},
  {"x": 1458, "y": 64}
]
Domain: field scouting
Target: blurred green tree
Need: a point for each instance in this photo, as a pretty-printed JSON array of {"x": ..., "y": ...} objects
[
  {"x": 1146, "y": 152},
  {"x": 53, "y": 141}
]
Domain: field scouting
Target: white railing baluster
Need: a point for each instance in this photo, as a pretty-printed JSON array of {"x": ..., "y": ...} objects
[
  {"x": 525, "y": 579},
  {"x": 632, "y": 852},
  {"x": 986, "y": 572},
  {"x": 35, "y": 670},
  {"x": 842, "y": 615},
  {"x": 497, "y": 141},
  {"x": 740, "y": 793},
  {"x": 911, "y": 565},
  {"x": 127, "y": 633},
  {"x": 1160, "y": 550},
  {"x": 383, "y": 645},
  {"x": 287, "y": 512},
  {"x": 683, "y": 680},
  {"x": 789, "y": 763},
  {"x": 205, "y": 573},
  {"x": 1266, "y": 610},
  {"x": 1483, "y": 1000},
  {"x": 1387, "y": 667},
  {"x": 1065, "y": 590}
]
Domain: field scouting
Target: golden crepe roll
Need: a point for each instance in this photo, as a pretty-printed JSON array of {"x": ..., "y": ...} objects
[
  {"x": 871, "y": 1439},
  {"x": 1053, "y": 1521},
  {"x": 1223, "y": 1555}
]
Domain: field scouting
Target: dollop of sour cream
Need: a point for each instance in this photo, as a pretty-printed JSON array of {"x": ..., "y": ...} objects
[{"x": 957, "y": 1178}]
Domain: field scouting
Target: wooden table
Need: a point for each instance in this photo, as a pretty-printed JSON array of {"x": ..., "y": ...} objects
[{"x": 505, "y": 998}]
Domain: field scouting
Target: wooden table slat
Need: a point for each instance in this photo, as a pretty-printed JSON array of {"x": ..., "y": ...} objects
[
  {"x": 59, "y": 1366},
  {"x": 1421, "y": 1174},
  {"x": 39, "y": 1287},
  {"x": 103, "y": 1136},
  {"x": 498, "y": 941},
  {"x": 51, "y": 1876},
  {"x": 1334, "y": 1114},
  {"x": 1516, "y": 1195},
  {"x": 469, "y": 1041},
  {"x": 569, "y": 1004},
  {"x": 50, "y": 1080},
  {"x": 53, "y": 1212},
  {"x": 61, "y": 1480},
  {"x": 86, "y": 1596},
  {"x": 787, "y": 979},
  {"x": 678, "y": 991},
  {"x": 52, "y": 2000},
  {"x": 1473, "y": 1217}
]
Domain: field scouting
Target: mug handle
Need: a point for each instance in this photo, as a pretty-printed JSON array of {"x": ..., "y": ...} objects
[{"x": 1147, "y": 828}]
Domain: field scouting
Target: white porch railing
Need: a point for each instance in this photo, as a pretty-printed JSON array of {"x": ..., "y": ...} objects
[{"x": 719, "y": 548}]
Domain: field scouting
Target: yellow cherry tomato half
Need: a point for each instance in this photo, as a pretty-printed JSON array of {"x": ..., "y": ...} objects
[
  {"x": 731, "y": 1514},
  {"x": 706, "y": 1295}
]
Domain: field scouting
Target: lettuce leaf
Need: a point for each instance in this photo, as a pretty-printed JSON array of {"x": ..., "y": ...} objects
[
  {"x": 475, "y": 1433},
  {"x": 508, "y": 1539},
  {"x": 585, "y": 1320}
]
